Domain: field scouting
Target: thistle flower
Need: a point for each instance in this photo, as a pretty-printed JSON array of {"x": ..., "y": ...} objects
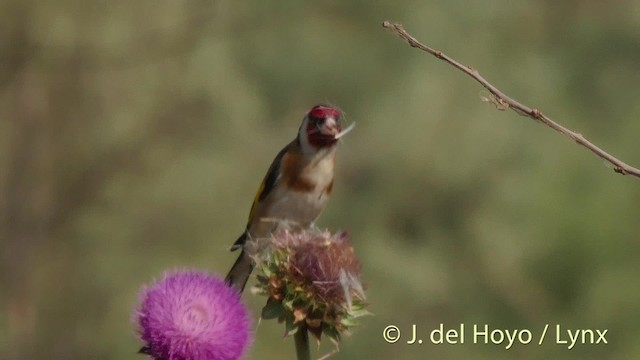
[
  {"x": 312, "y": 281},
  {"x": 190, "y": 315}
]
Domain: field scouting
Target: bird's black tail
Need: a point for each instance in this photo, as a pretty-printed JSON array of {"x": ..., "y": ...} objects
[{"x": 240, "y": 271}]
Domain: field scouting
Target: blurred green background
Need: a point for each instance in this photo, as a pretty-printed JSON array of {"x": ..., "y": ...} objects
[{"x": 133, "y": 136}]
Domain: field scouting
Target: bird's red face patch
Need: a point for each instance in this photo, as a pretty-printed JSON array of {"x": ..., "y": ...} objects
[
  {"x": 322, "y": 112},
  {"x": 324, "y": 124}
]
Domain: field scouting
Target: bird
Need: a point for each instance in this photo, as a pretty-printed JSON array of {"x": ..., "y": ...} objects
[{"x": 296, "y": 187}]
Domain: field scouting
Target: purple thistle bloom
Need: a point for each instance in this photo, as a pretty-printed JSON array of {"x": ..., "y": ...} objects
[{"x": 190, "y": 315}]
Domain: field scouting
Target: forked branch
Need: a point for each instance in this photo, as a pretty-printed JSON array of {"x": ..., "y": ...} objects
[{"x": 502, "y": 102}]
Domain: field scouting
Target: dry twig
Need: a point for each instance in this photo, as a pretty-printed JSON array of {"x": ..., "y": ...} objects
[{"x": 503, "y": 102}]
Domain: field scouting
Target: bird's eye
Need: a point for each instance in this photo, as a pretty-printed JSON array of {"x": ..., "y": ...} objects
[{"x": 316, "y": 120}]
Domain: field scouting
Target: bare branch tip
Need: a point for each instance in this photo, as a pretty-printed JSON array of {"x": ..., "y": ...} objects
[{"x": 392, "y": 26}]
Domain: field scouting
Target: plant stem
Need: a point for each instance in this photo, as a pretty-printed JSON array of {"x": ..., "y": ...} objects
[{"x": 301, "y": 338}]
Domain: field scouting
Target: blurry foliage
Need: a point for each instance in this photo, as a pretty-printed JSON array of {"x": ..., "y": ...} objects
[{"x": 133, "y": 136}]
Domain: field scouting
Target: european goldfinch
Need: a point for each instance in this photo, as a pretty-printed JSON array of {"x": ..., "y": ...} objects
[{"x": 296, "y": 187}]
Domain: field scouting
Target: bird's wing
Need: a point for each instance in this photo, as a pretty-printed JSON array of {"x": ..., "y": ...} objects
[{"x": 268, "y": 183}]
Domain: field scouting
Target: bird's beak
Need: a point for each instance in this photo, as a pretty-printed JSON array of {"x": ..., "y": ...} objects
[{"x": 330, "y": 127}]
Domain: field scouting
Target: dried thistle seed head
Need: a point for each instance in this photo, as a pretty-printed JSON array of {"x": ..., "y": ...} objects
[
  {"x": 322, "y": 266},
  {"x": 310, "y": 275}
]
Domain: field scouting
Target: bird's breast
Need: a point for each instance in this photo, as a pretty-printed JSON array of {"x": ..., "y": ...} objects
[
  {"x": 301, "y": 208},
  {"x": 306, "y": 189}
]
